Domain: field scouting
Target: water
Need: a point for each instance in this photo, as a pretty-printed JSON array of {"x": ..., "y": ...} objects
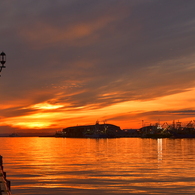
[{"x": 38, "y": 166}]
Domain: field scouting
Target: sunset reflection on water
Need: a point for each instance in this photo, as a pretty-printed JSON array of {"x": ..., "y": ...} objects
[{"x": 95, "y": 166}]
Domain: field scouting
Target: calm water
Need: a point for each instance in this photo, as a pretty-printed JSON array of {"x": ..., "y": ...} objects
[{"x": 99, "y": 166}]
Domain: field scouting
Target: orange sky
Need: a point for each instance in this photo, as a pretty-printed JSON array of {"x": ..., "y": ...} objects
[
  {"x": 74, "y": 63},
  {"x": 128, "y": 114}
]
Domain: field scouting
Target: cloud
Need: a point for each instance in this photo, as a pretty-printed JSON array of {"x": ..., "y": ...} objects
[
  {"x": 95, "y": 54},
  {"x": 45, "y": 35}
]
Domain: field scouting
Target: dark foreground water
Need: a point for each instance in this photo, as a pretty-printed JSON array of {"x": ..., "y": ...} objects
[{"x": 99, "y": 166}]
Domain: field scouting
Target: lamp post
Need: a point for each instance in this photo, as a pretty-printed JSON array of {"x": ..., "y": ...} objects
[{"x": 2, "y": 60}]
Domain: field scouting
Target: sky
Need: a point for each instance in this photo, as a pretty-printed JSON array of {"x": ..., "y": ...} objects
[{"x": 71, "y": 62}]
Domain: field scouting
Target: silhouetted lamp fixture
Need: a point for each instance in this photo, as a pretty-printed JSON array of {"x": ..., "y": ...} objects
[{"x": 2, "y": 60}]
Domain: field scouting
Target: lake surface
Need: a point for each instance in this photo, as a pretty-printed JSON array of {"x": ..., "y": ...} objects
[{"x": 37, "y": 166}]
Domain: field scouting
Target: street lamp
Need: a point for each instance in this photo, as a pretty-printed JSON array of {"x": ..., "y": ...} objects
[{"x": 2, "y": 60}]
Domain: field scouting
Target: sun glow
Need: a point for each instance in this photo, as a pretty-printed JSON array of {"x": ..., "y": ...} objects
[
  {"x": 47, "y": 106},
  {"x": 35, "y": 125}
]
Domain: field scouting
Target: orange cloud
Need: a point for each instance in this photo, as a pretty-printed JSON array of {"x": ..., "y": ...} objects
[
  {"x": 127, "y": 114},
  {"x": 41, "y": 34}
]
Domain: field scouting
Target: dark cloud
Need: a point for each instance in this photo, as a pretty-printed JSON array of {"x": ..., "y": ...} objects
[{"x": 16, "y": 111}]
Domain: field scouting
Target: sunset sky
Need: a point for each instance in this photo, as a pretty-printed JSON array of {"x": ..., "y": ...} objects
[{"x": 73, "y": 62}]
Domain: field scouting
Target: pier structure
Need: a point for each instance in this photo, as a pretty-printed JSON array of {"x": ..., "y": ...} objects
[{"x": 4, "y": 183}]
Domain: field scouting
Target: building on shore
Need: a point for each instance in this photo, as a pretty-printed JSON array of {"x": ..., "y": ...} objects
[
  {"x": 131, "y": 133},
  {"x": 91, "y": 131},
  {"x": 174, "y": 130},
  {"x": 154, "y": 131}
]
